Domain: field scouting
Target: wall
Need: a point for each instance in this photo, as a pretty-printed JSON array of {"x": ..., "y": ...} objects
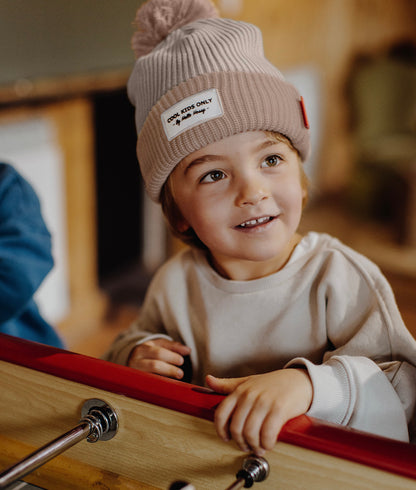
[
  {"x": 44, "y": 38},
  {"x": 327, "y": 34}
]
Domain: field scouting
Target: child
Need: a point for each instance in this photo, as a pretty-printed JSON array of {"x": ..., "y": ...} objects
[
  {"x": 283, "y": 324},
  {"x": 25, "y": 259}
]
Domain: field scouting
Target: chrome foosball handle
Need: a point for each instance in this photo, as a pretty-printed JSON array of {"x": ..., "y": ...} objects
[
  {"x": 254, "y": 469},
  {"x": 98, "y": 422}
]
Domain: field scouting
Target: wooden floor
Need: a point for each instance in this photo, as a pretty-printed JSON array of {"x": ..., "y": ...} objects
[{"x": 373, "y": 240}]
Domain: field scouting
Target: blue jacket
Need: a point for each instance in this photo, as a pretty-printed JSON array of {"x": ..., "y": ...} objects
[{"x": 25, "y": 259}]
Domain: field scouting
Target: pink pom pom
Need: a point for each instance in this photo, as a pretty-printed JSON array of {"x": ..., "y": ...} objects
[{"x": 158, "y": 18}]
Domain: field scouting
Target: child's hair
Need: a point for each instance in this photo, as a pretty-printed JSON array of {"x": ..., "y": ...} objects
[
  {"x": 198, "y": 79},
  {"x": 174, "y": 216}
]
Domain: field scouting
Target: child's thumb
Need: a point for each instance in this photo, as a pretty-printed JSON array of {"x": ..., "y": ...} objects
[{"x": 223, "y": 386}]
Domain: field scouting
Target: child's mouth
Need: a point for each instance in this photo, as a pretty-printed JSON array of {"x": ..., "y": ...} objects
[{"x": 256, "y": 222}]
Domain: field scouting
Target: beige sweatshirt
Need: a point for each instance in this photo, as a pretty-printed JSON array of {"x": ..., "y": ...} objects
[{"x": 329, "y": 309}]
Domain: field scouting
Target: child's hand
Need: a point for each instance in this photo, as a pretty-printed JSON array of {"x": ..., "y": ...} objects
[
  {"x": 257, "y": 407},
  {"x": 159, "y": 356}
]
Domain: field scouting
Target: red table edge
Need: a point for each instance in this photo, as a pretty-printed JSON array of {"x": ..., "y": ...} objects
[{"x": 378, "y": 452}]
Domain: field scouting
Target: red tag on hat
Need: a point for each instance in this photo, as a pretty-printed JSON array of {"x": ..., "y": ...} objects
[{"x": 304, "y": 115}]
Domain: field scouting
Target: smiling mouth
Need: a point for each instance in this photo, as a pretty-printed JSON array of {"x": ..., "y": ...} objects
[{"x": 256, "y": 222}]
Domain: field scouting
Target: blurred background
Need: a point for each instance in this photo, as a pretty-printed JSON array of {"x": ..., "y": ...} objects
[{"x": 66, "y": 124}]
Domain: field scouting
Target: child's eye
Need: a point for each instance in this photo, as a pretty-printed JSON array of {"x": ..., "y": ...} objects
[
  {"x": 213, "y": 176},
  {"x": 271, "y": 161}
]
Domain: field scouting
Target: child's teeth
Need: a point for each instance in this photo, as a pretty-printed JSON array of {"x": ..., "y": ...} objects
[{"x": 254, "y": 222}]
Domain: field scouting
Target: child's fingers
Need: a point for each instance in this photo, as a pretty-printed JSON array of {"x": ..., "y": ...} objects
[
  {"x": 247, "y": 422},
  {"x": 250, "y": 432},
  {"x": 262, "y": 428},
  {"x": 257, "y": 407},
  {"x": 244, "y": 436},
  {"x": 270, "y": 430},
  {"x": 172, "y": 345},
  {"x": 159, "y": 356},
  {"x": 156, "y": 350},
  {"x": 223, "y": 385},
  {"x": 252, "y": 426},
  {"x": 223, "y": 416},
  {"x": 158, "y": 367},
  {"x": 232, "y": 411},
  {"x": 241, "y": 419}
]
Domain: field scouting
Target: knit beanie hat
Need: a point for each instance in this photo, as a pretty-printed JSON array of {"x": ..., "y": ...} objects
[{"x": 198, "y": 79}]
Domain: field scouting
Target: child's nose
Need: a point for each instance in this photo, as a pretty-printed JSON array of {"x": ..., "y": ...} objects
[{"x": 251, "y": 191}]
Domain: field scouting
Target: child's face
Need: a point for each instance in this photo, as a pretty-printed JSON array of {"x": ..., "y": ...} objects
[{"x": 243, "y": 198}]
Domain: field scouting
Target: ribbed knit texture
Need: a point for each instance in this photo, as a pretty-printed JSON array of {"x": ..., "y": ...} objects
[{"x": 209, "y": 53}]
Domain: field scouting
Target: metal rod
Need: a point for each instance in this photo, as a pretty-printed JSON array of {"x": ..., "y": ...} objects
[
  {"x": 237, "y": 484},
  {"x": 44, "y": 454},
  {"x": 99, "y": 422}
]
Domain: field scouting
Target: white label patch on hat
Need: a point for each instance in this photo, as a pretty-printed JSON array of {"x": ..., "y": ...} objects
[{"x": 191, "y": 111}]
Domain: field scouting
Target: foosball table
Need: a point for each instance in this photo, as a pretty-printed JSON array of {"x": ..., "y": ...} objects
[{"x": 69, "y": 421}]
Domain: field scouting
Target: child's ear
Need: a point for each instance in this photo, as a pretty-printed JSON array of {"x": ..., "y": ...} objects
[{"x": 182, "y": 225}]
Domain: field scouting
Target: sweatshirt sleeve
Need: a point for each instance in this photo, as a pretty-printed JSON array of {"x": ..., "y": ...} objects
[
  {"x": 149, "y": 325},
  {"x": 164, "y": 313},
  {"x": 367, "y": 378},
  {"x": 25, "y": 244},
  {"x": 354, "y": 392}
]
